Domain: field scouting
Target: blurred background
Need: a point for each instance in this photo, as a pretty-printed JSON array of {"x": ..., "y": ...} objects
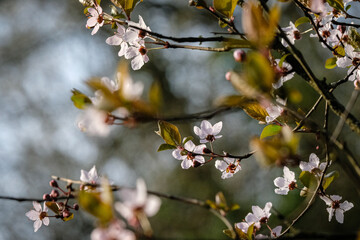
[{"x": 45, "y": 51}]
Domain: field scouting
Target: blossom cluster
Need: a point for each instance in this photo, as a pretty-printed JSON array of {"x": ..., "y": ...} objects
[
  {"x": 131, "y": 39},
  {"x": 193, "y": 156},
  {"x": 134, "y": 205}
]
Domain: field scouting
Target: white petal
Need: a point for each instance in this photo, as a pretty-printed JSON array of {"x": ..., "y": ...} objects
[
  {"x": 32, "y": 215},
  {"x": 37, "y": 225},
  {"x": 206, "y": 127},
  {"x": 335, "y": 197},
  {"x": 91, "y": 22},
  {"x": 177, "y": 154},
  {"x": 189, "y": 145},
  {"x": 123, "y": 49},
  {"x": 304, "y": 166},
  {"x": 314, "y": 160},
  {"x": 84, "y": 176},
  {"x": 221, "y": 165},
  {"x": 217, "y": 128},
  {"x": 326, "y": 200},
  {"x": 258, "y": 212},
  {"x": 114, "y": 40},
  {"x": 186, "y": 163},
  {"x": 197, "y": 130},
  {"x": 331, "y": 213},
  {"x": 346, "y": 206},
  {"x": 46, "y": 221},
  {"x": 199, "y": 159},
  {"x": 267, "y": 208},
  {"x": 250, "y": 218},
  {"x": 93, "y": 12},
  {"x": 124, "y": 210},
  {"x": 276, "y": 231},
  {"x": 339, "y": 215},
  {"x": 137, "y": 62},
  {"x": 141, "y": 192},
  {"x": 282, "y": 191},
  {"x": 37, "y": 206},
  {"x": 280, "y": 182},
  {"x": 131, "y": 52},
  {"x": 199, "y": 149},
  {"x": 95, "y": 29},
  {"x": 152, "y": 206},
  {"x": 289, "y": 175}
]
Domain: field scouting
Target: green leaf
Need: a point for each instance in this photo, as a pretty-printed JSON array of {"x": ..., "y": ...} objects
[
  {"x": 329, "y": 178},
  {"x": 169, "y": 132},
  {"x": 270, "y": 130},
  {"x": 347, "y": 7},
  {"x": 155, "y": 95},
  {"x": 188, "y": 139},
  {"x": 232, "y": 101},
  {"x": 79, "y": 99},
  {"x": 256, "y": 111},
  {"x": 330, "y": 63},
  {"x": 236, "y": 43},
  {"x": 93, "y": 204},
  {"x": 337, "y": 4},
  {"x": 258, "y": 72},
  {"x": 339, "y": 50},
  {"x": 225, "y": 7},
  {"x": 301, "y": 20},
  {"x": 68, "y": 218},
  {"x": 127, "y": 5},
  {"x": 229, "y": 233},
  {"x": 308, "y": 179},
  {"x": 282, "y": 59},
  {"x": 53, "y": 207},
  {"x": 165, "y": 146},
  {"x": 234, "y": 207},
  {"x": 250, "y": 231}
]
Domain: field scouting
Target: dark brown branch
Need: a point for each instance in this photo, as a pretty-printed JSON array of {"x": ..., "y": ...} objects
[{"x": 345, "y": 24}]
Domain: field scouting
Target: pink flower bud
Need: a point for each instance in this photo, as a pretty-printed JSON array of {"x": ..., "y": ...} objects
[
  {"x": 228, "y": 76},
  {"x": 239, "y": 55},
  {"x": 54, "y": 194},
  {"x": 53, "y": 184}
]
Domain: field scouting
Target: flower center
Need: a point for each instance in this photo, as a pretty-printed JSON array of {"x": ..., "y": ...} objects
[
  {"x": 297, "y": 35},
  {"x": 142, "y": 34},
  {"x": 263, "y": 220},
  {"x": 355, "y": 61},
  {"x": 231, "y": 168},
  {"x": 142, "y": 50},
  {"x": 335, "y": 204},
  {"x": 210, "y": 138},
  {"x": 292, "y": 186},
  {"x": 100, "y": 19},
  {"x": 43, "y": 215}
]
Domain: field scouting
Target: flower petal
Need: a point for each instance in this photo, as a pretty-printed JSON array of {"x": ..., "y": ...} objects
[
  {"x": 33, "y": 215},
  {"x": 37, "y": 225},
  {"x": 186, "y": 163},
  {"x": 339, "y": 215}
]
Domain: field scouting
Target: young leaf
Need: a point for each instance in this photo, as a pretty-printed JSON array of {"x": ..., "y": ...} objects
[
  {"x": 256, "y": 111},
  {"x": 65, "y": 219},
  {"x": 169, "y": 132},
  {"x": 165, "y": 146},
  {"x": 92, "y": 203},
  {"x": 337, "y": 4},
  {"x": 127, "y": 5},
  {"x": 229, "y": 233},
  {"x": 329, "y": 178},
  {"x": 282, "y": 59},
  {"x": 330, "y": 63},
  {"x": 79, "y": 99},
  {"x": 270, "y": 130},
  {"x": 307, "y": 178},
  {"x": 53, "y": 207},
  {"x": 225, "y": 7},
  {"x": 301, "y": 20}
]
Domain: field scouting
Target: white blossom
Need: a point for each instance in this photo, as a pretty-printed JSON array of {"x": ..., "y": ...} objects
[
  {"x": 115, "y": 231},
  {"x": 137, "y": 53},
  {"x": 259, "y": 216},
  {"x": 336, "y": 208},
  {"x": 119, "y": 40},
  {"x": 285, "y": 72},
  {"x": 207, "y": 132},
  {"x": 314, "y": 165},
  {"x": 292, "y": 33},
  {"x": 188, "y": 154},
  {"x": 94, "y": 122},
  {"x": 275, "y": 232},
  {"x": 228, "y": 166},
  {"x": 274, "y": 110},
  {"x": 39, "y": 216},
  {"x": 285, "y": 183},
  {"x": 95, "y": 20},
  {"x": 91, "y": 176},
  {"x": 135, "y": 201}
]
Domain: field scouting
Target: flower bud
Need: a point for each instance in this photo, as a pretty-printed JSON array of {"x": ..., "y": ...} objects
[
  {"x": 239, "y": 55},
  {"x": 53, "y": 184},
  {"x": 357, "y": 84},
  {"x": 54, "y": 193},
  {"x": 47, "y": 197},
  {"x": 66, "y": 213},
  {"x": 228, "y": 76},
  {"x": 206, "y": 150},
  {"x": 76, "y": 206}
]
